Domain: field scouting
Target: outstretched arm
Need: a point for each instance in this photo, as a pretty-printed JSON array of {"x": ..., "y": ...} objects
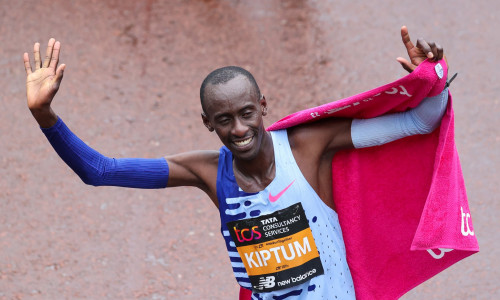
[
  {"x": 422, "y": 119},
  {"x": 333, "y": 134},
  {"x": 91, "y": 166},
  {"x": 98, "y": 170}
]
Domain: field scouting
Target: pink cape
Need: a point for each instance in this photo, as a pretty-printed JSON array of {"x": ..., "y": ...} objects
[{"x": 402, "y": 206}]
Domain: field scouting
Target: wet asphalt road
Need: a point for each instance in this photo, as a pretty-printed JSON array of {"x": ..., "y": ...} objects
[{"x": 131, "y": 90}]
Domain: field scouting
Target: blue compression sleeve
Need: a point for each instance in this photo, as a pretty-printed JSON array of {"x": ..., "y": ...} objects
[
  {"x": 96, "y": 169},
  {"x": 422, "y": 119}
]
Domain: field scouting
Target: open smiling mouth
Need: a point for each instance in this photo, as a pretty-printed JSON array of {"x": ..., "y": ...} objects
[{"x": 243, "y": 142}]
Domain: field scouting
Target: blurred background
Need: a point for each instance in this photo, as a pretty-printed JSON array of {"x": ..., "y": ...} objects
[{"x": 131, "y": 89}]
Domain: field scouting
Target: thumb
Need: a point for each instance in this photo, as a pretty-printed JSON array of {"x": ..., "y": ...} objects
[
  {"x": 60, "y": 72},
  {"x": 406, "y": 64},
  {"x": 59, "y": 75}
]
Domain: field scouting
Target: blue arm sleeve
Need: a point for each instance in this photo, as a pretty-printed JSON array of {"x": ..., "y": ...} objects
[
  {"x": 98, "y": 170},
  {"x": 422, "y": 119}
]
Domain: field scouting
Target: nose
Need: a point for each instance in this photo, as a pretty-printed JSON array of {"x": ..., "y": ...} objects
[{"x": 239, "y": 129}]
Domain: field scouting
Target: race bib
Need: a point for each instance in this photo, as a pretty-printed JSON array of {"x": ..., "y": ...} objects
[{"x": 278, "y": 250}]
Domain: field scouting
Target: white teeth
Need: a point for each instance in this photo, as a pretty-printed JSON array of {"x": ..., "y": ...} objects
[{"x": 244, "y": 142}]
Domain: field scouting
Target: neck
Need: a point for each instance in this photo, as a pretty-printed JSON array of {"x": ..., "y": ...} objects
[{"x": 254, "y": 175}]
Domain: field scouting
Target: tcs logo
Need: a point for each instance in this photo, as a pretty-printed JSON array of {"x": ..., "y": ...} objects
[{"x": 246, "y": 235}]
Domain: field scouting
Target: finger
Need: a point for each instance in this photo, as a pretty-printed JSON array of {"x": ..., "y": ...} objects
[
  {"x": 48, "y": 53},
  {"x": 60, "y": 72},
  {"x": 422, "y": 45},
  {"x": 405, "y": 36},
  {"x": 27, "y": 64},
  {"x": 36, "y": 52},
  {"x": 59, "y": 75},
  {"x": 55, "y": 55},
  {"x": 406, "y": 64},
  {"x": 440, "y": 52},
  {"x": 434, "y": 50}
]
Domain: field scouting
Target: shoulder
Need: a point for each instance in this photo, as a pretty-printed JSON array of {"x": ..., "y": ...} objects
[
  {"x": 194, "y": 168},
  {"x": 195, "y": 159}
]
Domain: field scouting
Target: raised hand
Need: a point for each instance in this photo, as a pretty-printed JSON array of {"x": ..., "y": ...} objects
[
  {"x": 419, "y": 53},
  {"x": 44, "y": 82}
]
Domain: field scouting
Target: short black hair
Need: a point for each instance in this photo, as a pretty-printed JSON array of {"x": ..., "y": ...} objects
[{"x": 223, "y": 75}]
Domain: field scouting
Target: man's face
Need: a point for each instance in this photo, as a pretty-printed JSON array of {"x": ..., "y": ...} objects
[{"x": 234, "y": 110}]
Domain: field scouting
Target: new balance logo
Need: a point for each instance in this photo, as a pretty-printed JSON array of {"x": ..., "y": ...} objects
[{"x": 265, "y": 282}]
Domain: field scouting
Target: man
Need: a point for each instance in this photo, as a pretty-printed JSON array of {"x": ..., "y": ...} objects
[{"x": 273, "y": 190}]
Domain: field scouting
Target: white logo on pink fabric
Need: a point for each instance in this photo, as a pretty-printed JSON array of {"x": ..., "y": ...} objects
[
  {"x": 394, "y": 90},
  {"x": 399, "y": 90},
  {"x": 440, "y": 255},
  {"x": 439, "y": 70},
  {"x": 465, "y": 221}
]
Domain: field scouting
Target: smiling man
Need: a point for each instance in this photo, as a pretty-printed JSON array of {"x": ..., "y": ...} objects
[{"x": 273, "y": 189}]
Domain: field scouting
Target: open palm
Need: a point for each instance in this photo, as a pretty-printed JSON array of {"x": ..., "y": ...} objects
[{"x": 43, "y": 83}]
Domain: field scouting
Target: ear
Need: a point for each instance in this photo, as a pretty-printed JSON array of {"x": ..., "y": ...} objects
[
  {"x": 263, "y": 105},
  {"x": 206, "y": 122}
]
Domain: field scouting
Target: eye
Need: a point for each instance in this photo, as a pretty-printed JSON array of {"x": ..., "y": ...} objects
[
  {"x": 224, "y": 121},
  {"x": 247, "y": 114}
]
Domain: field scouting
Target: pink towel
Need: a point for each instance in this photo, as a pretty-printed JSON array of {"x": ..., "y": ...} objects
[{"x": 402, "y": 206}]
